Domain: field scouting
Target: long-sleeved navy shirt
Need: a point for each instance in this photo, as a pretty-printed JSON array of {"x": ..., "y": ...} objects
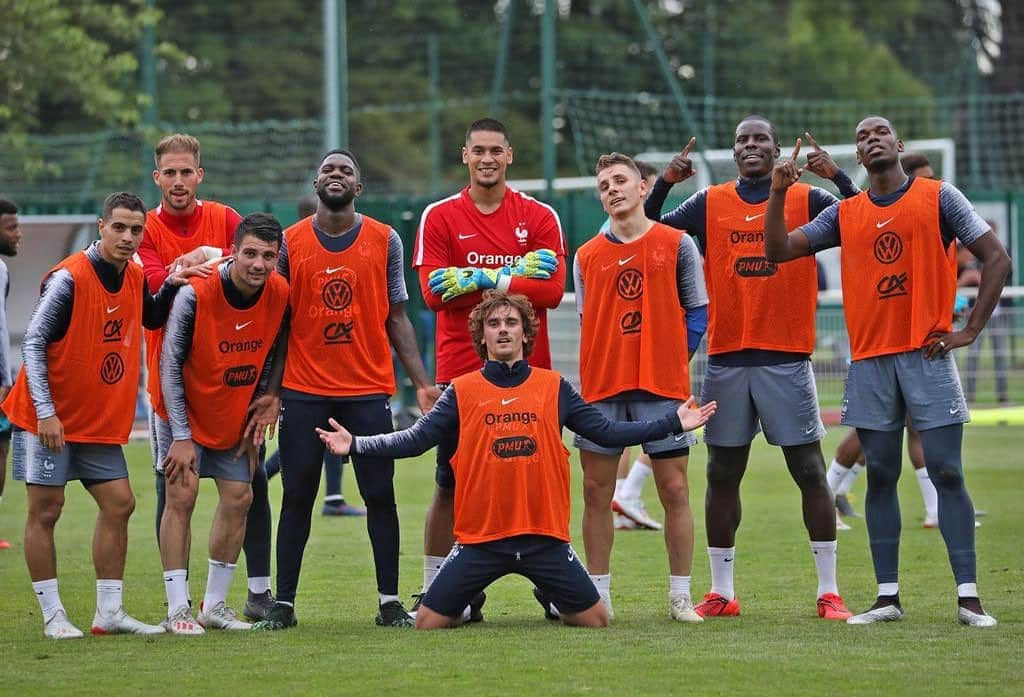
[{"x": 580, "y": 417}]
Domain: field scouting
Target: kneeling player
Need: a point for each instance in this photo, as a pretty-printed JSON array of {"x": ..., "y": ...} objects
[
  {"x": 73, "y": 404},
  {"x": 511, "y": 468},
  {"x": 216, "y": 347}
]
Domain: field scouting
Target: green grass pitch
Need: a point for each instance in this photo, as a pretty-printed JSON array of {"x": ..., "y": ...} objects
[{"x": 778, "y": 646}]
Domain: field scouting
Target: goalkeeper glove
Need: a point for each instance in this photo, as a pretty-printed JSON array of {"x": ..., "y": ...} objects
[
  {"x": 540, "y": 263},
  {"x": 452, "y": 281}
]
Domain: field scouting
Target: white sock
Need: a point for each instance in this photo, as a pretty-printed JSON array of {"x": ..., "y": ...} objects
[
  {"x": 48, "y": 597},
  {"x": 387, "y": 598},
  {"x": 967, "y": 590},
  {"x": 603, "y": 582},
  {"x": 928, "y": 493},
  {"x": 722, "y": 561},
  {"x": 633, "y": 487},
  {"x": 108, "y": 595},
  {"x": 678, "y": 585},
  {"x": 176, "y": 585},
  {"x": 825, "y": 559},
  {"x": 431, "y": 565},
  {"x": 618, "y": 487},
  {"x": 259, "y": 584},
  {"x": 217, "y": 583},
  {"x": 888, "y": 589},
  {"x": 847, "y": 483},
  {"x": 334, "y": 498},
  {"x": 836, "y": 473}
]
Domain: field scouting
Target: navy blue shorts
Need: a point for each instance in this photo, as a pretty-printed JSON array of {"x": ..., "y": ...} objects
[{"x": 551, "y": 564}]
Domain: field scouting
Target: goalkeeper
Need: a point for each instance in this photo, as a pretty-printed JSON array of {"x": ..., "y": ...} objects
[{"x": 486, "y": 236}]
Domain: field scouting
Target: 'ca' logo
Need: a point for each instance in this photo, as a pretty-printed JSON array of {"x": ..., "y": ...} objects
[
  {"x": 630, "y": 284},
  {"x": 337, "y": 294},
  {"x": 112, "y": 368},
  {"x": 888, "y": 247}
]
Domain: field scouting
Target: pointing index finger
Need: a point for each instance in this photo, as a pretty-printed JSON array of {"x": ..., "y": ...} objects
[
  {"x": 796, "y": 150},
  {"x": 688, "y": 146},
  {"x": 812, "y": 141}
]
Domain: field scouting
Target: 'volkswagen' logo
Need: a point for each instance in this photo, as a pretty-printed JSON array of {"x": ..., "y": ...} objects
[
  {"x": 112, "y": 368},
  {"x": 630, "y": 284},
  {"x": 888, "y": 247},
  {"x": 337, "y": 294}
]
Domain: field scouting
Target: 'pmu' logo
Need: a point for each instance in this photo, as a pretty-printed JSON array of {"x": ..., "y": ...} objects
[
  {"x": 241, "y": 376},
  {"x": 630, "y": 284},
  {"x": 112, "y": 330},
  {"x": 892, "y": 286},
  {"x": 337, "y": 294},
  {"x": 755, "y": 266},
  {"x": 112, "y": 368},
  {"x": 514, "y": 446},
  {"x": 629, "y": 323},
  {"x": 888, "y": 247}
]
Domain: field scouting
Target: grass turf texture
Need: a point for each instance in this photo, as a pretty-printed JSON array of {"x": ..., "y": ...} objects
[{"x": 777, "y": 646}]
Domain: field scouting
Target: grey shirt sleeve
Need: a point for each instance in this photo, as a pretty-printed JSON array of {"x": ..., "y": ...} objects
[
  {"x": 282, "y": 260},
  {"x": 44, "y": 328},
  {"x": 577, "y": 281},
  {"x": 5, "y": 337},
  {"x": 693, "y": 291},
  {"x": 823, "y": 231},
  {"x": 397, "y": 292},
  {"x": 957, "y": 216},
  {"x": 174, "y": 352}
]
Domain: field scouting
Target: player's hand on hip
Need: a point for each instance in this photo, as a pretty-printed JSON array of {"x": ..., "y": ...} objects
[
  {"x": 691, "y": 416},
  {"x": 539, "y": 263},
  {"x": 180, "y": 461},
  {"x": 51, "y": 433},
  {"x": 819, "y": 161},
  {"x": 337, "y": 440},
  {"x": 938, "y": 344},
  {"x": 453, "y": 281},
  {"x": 427, "y": 396},
  {"x": 681, "y": 167},
  {"x": 786, "y": 172}
]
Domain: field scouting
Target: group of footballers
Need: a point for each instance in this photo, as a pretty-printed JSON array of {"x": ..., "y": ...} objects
[{"x": 252, "y": 328}]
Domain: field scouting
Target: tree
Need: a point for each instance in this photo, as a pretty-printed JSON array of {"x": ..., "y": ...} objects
[{"x": 68, "y": 59}]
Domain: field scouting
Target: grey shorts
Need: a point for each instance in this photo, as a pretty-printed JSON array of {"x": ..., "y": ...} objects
[
  {"x": 216, "y": 464},
  {"x": 33, "y": 463},
  {"x": 640, "y": 410},
  {"x": 882, "y": 392},
  {"x": 781, "y": 400}
]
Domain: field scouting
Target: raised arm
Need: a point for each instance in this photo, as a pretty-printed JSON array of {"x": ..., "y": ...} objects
[{"x": 779, "y": 243}]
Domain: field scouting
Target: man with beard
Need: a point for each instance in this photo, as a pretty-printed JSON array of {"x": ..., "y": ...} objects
[
  {"x": 184, "y": 231},
  {"x": 346, "y": 311},
  {"x": 760, "y": 339},
  {"x": 10, "y": 237},
  {"x": 486, "y": 236},
  {"x": 899, "y": 284}
]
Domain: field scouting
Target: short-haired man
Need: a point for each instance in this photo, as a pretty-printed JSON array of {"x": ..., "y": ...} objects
[
  {"x": 214, "y": 362},
  {"x": 642, "y": 302},
  {"x": 512, "y": 471},
  {"x": 186, "y": 231},
  {"x": 10, "y": 237},
  {"x": 899, "y": 285},
  {"x": 346, "y": 313},
  {"x": 760, "y": 340},
  {"x": 74, "y": 402},
  {"x": 486, "y": 236}
]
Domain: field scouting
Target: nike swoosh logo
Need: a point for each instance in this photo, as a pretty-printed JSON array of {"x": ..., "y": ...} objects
[
  {"x": 808, "y": 431},
  {"x": 748, "y": 218},
  {"x": 466, "y": 237},
  {"x": 506, "y": 402},
  {"x": 885, "y": 222},
  {"x": 625, "y": 261},
  {"x": 679, "y": 437},
  {"x": 727, "y": 560},
  {"x": 329, "y": 270},
  {"x": 113, "y": 309},
  {"x": 953, "y": 411},
  {"x": 243, "y": 325}
]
